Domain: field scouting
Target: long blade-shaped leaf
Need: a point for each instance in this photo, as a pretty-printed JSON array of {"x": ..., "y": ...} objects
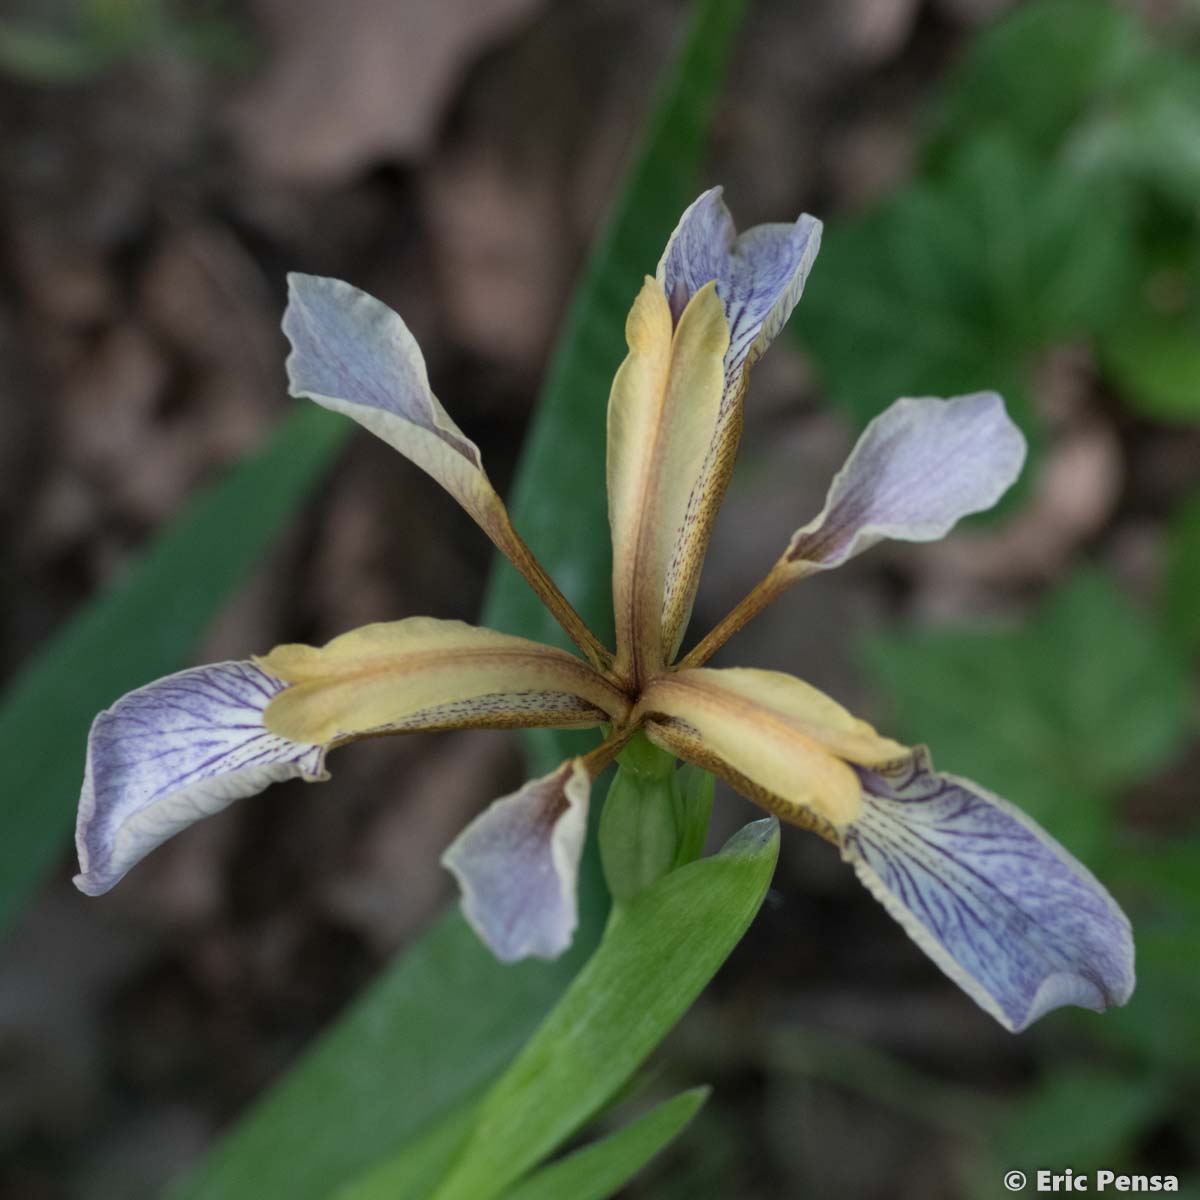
[
  {"x": 599, "y": 1170},
  {"x": 147, "y": 624},
  {"x": 594, "y": 1172},
  {"x": 655, "y": 959},
  {"x": 429, "y": 1034},
  {"x": 378, "y": 1080}
]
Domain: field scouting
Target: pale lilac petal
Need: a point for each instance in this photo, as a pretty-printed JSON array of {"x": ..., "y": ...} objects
[
  {"x": 760, "y": 274},
  {"x": 351, "y": 353},
  {"x": 1003, "y": 909},
  {"x": 517, "y": 864},
  {"x": 918, "y": 468},
  {"x": 179, "y": 749}
]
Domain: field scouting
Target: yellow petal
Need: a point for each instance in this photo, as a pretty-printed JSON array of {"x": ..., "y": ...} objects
[
  {"x": 695, "y": 531},
  {"x": 771, "y": 735},
  {"x": 662, "y": 412},
  {"x": 423, "y": 673}
]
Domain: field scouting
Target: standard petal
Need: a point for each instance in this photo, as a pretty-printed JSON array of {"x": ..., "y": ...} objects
[
  {"x": 166, "y": 755},
  {"x": 517, "y": 865},
  {"x": 354, "y": 355},
  {"x": 779, "y": 741},
  {"x": 918, "y": 468},
  {"x": 1002, "y": 908},
  {"x": 661, "y": 414},
  {"x": 760, "y": 274},
  {"x": 423, "y": 673},
  {"x": 759, "y": 277}
]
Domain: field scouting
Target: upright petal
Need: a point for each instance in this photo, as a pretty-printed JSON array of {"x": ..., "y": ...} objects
[
  {"x": 517, "y": 865},
  {"x": 918, "y": 468},
  {"x": 354, "y": 355},
  {"x": 423, "y": 673},
  {"x": 1002, "y": 908},
  {"x": 166, "y": 755},
  {"x": 780, "y": 742},
  {"x": 661, "y": 414},
  {"x": 760, "y": 274},
  {"x": 759, "y": 277}
]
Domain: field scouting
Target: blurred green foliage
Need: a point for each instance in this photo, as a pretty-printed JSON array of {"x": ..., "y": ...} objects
[
  {"x": 67, "y": 42},
  {"x": 1181, "y": 589},
  {"x": 1061, "y": 714},
  {"x": 1054, "y": 200}
]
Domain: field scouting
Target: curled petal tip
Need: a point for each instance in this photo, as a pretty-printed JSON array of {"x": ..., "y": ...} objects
[
  {"x": 172, "y": 752},
  {"x": 760, "y": 274},
  {"x": 919, "y": 467},
  {"x": 1000, "y": 907},
  {"x": 517, "y": 865}
]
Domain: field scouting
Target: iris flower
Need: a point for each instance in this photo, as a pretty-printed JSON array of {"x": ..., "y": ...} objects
[{"x": 997, "y": 904}]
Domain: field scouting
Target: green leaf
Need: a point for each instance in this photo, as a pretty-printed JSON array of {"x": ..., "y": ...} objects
[
  {"x": 895, "y": 306},
  {"x": 43, "y": 58},
  {"x": 1155, "y": 360},
  {"x": 1161, "y": 1024},
  {"x": 435, "y": 1029},
  {"x": 1152, "y": 349},
  {"x": 1167, "y": 869},
  {"x": 1057, "y": 716},
  {"x": 1181, "y": 587},
  {"x": 692, "y": 793},
  {"x": 657, "y": 955},
  {"x": 1035, "y": 73},
  {"x": 1081, "y": 1116},
  {"x": 1158, "y": 879},
  {"x": 1146, "y": 134},
  {"x": 958, "y": 282},
  {"x": 599, "y": 1170},
  {"x": 414, "y": 1174},
  {"x": 446, "y": 1016},
  {"x": 591, "y": 1173},
  {"x": 147, "y": 624}
]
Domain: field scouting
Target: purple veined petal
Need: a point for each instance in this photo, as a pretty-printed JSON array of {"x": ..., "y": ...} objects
[
  {"x": 918, "y": 468},
  {"x": 1008, "y": 914},
  {"x": 760, "y": 274},
  {"x": 517, "y": 865},
  {"x": 172, "y": 752}
]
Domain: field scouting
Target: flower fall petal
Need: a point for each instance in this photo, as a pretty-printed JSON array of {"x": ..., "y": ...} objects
[
  {"x": 1001, "y": 907},
  {"x": 172, "y": 752}
]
